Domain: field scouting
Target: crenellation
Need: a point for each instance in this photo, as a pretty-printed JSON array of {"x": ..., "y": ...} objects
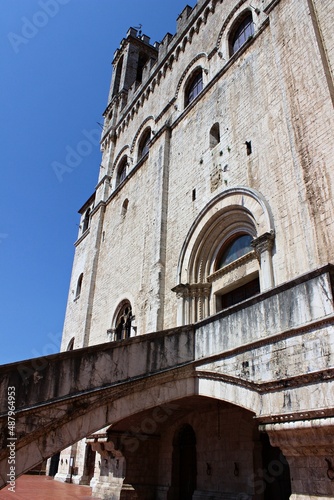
[{"x": 183, "y": 18}]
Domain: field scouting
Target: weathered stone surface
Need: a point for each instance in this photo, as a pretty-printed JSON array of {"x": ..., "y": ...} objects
[{"x": 214, "y": 345}]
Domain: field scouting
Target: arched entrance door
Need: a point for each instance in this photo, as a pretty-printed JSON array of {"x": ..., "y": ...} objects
[
  {"x": 89, "y": 464},
  {"x": 276, "y": 479},
  {"x": 184, "y": 464}
]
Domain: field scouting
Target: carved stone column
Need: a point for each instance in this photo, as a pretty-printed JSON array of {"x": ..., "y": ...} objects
[
  {"x": 192, "y": 302},
  {"x": 182, "y": 295},
  {"x": 263, "y": 248},
  {"x": 194, "y": 294},
  {"x": 206, "y": 301}
]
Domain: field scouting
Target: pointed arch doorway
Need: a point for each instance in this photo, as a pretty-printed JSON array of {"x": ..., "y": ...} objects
[{"x": 184, "y": 464}]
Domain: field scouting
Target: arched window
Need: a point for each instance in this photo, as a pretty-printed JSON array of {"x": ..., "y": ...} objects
[
  {"x": 194, "y": 87},
  {"x": 123, "y": 321},
  {"x": 249, "y": 285},
  {"x": 121, "y": 171},
  {"x": 214, "y": 135},
  {"x": 125, "y": 207},
  {"x": 118, "y": 76},
  {"x": 142, "y": 60},
  {"x": 227, "y": 255},
  {"x": 244, "y": 29},
  {"x": 86, "y": 221},
  {"x": 79, "y": 286},
  {"x": 238, "y": 247},
  {"x": 144, "y": 143},
  {"x": 70, "y": 346}
]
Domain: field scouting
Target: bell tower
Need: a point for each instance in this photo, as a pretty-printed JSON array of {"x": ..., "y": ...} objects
[
  {"x": 134, "y": 53},
  {"x": 132, "y": 64}
]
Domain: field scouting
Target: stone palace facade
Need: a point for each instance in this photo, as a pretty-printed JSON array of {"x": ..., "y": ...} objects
[{"x": 214, "y": 208}]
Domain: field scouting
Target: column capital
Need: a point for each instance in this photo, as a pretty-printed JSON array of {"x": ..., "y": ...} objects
[{"x": 263, "y": 243}]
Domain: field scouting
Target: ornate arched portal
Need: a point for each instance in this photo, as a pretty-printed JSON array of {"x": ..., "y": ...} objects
[{"x": 228, "y": 250}]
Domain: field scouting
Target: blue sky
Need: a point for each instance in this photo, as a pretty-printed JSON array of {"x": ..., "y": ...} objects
[{"x": 55, "y": 58}]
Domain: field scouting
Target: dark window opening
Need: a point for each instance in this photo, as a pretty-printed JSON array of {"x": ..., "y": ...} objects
[
  {"x": 243, "y": 31},
  {"x": 194, "y": 87},
  {"x": 239, "y": 294},
  {"x": 194, "y": 195},
  {"x": 121, "y": 173},
  {"x": 143, "y": 58},
  {"x": 144, "y": 144},
  {"x": 86, "y": 221},
  {"x": 125, "y": 207},
  {"x": 235, "y": 249},
  {"x": 214, "y": 135},
  {"x": 123, "y": 322},
  {"x": 118, "y": 76},
  {"x": 70, "y": 346},
  {"x": 248, "y": 147},
  {"x": 79, "y": 286}
]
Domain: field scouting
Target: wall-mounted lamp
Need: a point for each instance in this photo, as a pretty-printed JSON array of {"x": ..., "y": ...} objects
[{"x": 236, "y": 469}]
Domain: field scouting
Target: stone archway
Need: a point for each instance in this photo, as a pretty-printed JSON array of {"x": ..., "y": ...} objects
[{"x": 232, "y": 214}]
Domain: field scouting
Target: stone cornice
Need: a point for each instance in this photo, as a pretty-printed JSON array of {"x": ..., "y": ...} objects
[
  {"x": 328, "y": 268},
  {"x": 271, "y": 6},
  {"x": 82, "y": 237},
  {"x": 272, "y": 386}
]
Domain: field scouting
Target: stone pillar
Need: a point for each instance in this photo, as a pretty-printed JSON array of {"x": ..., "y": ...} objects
[
  {"x": 263, "y": 248},
  {"x": 194, "y": 297},
  {"x": 206, "y": 297},
  {"x": 308, "y": 445},
  {"x": 182, "y": 314},
  {"x": 109, "y": 476},
  {"x": 66, "y": 464}
]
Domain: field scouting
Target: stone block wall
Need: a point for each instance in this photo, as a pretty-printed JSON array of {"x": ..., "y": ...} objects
[{"x": 273, "y": 94}]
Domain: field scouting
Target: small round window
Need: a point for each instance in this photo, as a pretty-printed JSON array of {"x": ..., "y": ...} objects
[{"x": 236, "y": 249}]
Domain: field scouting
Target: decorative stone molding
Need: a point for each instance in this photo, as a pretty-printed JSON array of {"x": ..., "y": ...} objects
[
  {"x": 248, "y": 257},
  {"x": 105, "y": 447},
  {"x": 263, "y": 243},
  {"x": 193, "y": 301}
]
